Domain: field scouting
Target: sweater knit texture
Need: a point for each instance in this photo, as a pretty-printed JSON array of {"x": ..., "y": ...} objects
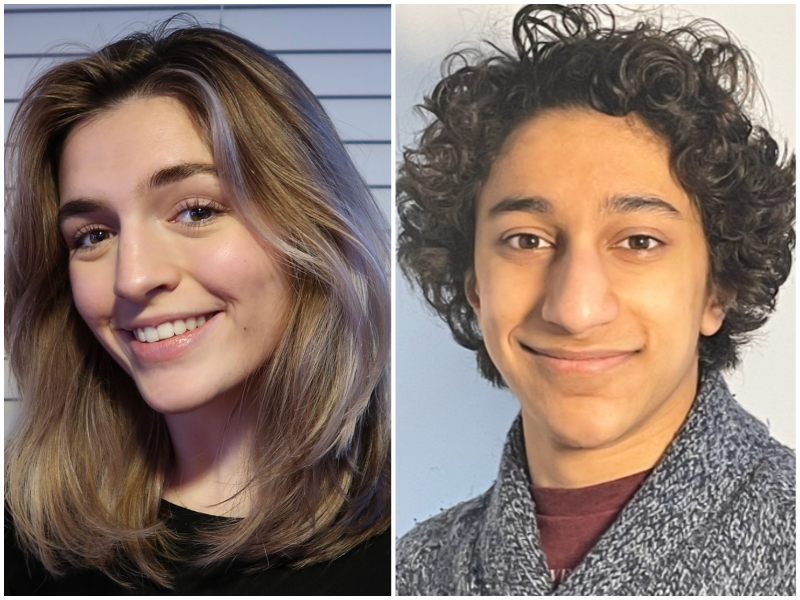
[{"x": 715, "y": 517}]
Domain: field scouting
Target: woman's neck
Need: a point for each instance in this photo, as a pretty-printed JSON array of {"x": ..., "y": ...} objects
[{"x": 210, "y": 446}]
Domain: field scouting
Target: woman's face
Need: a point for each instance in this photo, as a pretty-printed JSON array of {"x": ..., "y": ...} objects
[{"x": 163, "y": 270}]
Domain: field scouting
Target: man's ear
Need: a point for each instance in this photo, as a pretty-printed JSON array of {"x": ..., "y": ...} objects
[
  {"x": 472, "y": 291},
  {"x": 714, "y": 313}
]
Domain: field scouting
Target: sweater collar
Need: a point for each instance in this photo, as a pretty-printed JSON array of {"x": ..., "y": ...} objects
[{"x": 699, "y": 470}]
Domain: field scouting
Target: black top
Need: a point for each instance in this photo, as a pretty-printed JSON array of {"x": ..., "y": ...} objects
[{"x": 365, "y": 570}]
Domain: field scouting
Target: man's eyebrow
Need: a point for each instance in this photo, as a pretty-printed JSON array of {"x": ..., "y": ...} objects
[
  {"x": 529, "y": 204},
  {"x": 625, "y": 204},
  {"x": 176, "y": 173}
]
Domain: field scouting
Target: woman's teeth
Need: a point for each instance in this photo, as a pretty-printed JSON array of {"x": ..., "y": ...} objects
[{"x": 168, "y": 330}]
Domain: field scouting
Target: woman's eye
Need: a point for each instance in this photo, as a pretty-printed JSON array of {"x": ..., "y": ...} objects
[
  {"x": 527, "y": 241},
  {"x": 197, "y": 214},
  {"x": 640, "y": 242},
  {"x": 92, "y": 238}
]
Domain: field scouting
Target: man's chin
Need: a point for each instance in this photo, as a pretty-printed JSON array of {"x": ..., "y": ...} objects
[
  {"x": 590, "y": 436},
  {"x": 593, "y": 428}
]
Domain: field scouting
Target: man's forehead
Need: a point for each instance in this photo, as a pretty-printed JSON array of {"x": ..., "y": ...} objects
[{"x": 610, "y": 165}]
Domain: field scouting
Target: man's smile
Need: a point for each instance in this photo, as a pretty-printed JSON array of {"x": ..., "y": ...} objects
[{"x": 575, "y": 361}]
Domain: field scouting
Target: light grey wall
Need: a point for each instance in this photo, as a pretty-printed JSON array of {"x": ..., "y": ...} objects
[
  {"x": 343, "y": 53},
  {"x": 450, "y": 424}
]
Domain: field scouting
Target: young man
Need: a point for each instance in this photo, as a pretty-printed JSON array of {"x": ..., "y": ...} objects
[{"x": 596, "y": 217}]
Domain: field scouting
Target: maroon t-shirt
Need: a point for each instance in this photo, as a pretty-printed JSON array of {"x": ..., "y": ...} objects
[{"x": 572, "y": 520}]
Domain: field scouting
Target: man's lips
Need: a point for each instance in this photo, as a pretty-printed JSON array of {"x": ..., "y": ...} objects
[
  {"x": 567, "y": 360},
  {"x": 565, "y": 354}
]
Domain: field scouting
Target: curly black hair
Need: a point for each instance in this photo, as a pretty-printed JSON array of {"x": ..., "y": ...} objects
[{"x": 691, "y": 85}]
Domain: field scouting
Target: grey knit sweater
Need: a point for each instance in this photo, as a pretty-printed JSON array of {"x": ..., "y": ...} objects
[{"x": 715, "y": 517}]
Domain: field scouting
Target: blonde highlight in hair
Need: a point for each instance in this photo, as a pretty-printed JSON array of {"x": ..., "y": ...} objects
[{"x": 87, "y": 463}]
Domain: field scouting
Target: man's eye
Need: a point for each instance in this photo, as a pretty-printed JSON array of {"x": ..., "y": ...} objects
[
  {"x": 640, "y": 242},
  {"x": 527, "y": 241}
]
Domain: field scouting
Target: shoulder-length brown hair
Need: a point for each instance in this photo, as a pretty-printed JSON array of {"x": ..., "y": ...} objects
[{"x": 87, "y": 463}]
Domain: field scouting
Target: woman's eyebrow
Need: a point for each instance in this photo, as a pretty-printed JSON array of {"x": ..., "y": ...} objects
[
  {"x": 176, "y": 173},
  {"x": 160, "y": 178},
  {"x": 77, "y": 207}
]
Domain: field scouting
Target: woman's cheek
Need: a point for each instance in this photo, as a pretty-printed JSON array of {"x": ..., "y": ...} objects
[{"x": 92, "y": 292}]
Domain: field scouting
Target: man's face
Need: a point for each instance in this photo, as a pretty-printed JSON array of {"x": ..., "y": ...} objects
[{"x": 590, "y": 279}]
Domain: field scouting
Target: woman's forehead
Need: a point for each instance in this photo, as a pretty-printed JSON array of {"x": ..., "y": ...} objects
[{"x": 125, "y": 147}]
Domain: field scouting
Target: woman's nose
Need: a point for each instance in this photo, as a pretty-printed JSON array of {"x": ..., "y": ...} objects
[{"x": 144, "y": 265}]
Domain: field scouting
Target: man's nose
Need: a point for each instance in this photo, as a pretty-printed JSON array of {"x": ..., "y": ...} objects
[
  {"x": 579, "y": 294},
  {"x": 144, "y": 265}
]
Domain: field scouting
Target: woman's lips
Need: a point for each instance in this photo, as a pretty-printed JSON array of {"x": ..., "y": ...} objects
[
  {"x": 567, "y": 361},
  {"x": 170, "y": 348}
]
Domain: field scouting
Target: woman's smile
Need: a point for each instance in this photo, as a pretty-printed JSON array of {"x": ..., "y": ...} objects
[
  {"x": 170, "y": 340},
  {"x": 168, "y": 328}
]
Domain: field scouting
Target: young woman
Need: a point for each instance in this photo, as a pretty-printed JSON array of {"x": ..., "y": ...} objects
[{"x": 198, "y": 317}]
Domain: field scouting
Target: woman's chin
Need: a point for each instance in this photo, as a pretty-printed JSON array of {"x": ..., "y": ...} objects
[
  {"x": 194, "y": 390},
  {"x": 171, "y": 401}
]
